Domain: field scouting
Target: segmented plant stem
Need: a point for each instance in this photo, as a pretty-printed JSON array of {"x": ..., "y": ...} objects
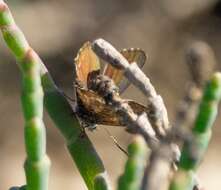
[
  {"x": 135, "y": 166},
  {"x": 100, "y": 182},
  {"x": 158, "y": 117},
  {"x": 79, "y": 146},
  {"x": 37, "y": 163},
  {"x": 34, "y": 73},
  {"x": 194, "y": 150}
]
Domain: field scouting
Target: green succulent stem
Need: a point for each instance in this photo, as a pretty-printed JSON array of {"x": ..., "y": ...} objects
[
  {"x": 35, "y": 77},
  {"x": 37, "y": 163},
  {"x": 79, "y": 146},
  {"x": 194, "y": 150},
  {"x": 135, "y": 166},
  {"x": 101, "y": 183}
]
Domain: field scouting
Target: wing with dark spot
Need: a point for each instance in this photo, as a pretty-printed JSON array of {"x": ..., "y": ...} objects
[{"x": 85, "y": 63}]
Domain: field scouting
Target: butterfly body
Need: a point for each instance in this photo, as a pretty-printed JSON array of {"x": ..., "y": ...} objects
[{"x": 91, "y": 107}]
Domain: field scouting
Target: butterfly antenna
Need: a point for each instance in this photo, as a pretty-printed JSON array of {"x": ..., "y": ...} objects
[{"x": 115, "y": 142}]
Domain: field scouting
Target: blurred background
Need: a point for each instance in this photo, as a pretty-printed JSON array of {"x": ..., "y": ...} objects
[{"x": 57, "y": 29}]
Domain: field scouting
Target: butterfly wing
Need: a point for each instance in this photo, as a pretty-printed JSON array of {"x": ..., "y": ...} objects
[
  {"x": 137, "y": 107},
  {"x": 92, "y": 107},
  {"x": 85, "y": 63},
  {"x": 93, "y": 110},
  {"x": 132, "y": 55}
]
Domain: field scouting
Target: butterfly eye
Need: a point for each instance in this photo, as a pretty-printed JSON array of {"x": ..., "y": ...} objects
[
  {"x": 85, "y": 63},
  {"x": 132, "y": 55}
]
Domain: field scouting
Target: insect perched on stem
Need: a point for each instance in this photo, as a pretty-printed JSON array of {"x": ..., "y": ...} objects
[{"x": 91, "y": 107}]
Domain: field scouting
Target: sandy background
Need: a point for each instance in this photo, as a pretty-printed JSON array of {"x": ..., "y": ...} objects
[{"x": 57, "y": 29}]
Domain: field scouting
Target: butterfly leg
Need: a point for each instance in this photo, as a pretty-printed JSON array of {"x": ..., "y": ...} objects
[{"x": 115, "y": 142}]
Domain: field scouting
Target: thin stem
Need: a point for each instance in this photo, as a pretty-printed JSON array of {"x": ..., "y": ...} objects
[
  {"x": 138, "y": 124},
  {"x": 78, "y": 143},
  {"x": 101, "y": 183},
  {"x": 158, "y": 114},
  {"x": 37, "y": 163},
  {"x": 79, "y": 146},
  {"x": 135, "y": 166},
  {"x": 194, "y": 150}
]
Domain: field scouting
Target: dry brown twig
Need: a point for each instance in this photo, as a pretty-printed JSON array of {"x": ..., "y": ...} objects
[
  {"x": 158, "y": 115},
  {"x": 164, "y": 152},
  {"x": 106, "y": 88},
  {"x": 201, "y": 62}
]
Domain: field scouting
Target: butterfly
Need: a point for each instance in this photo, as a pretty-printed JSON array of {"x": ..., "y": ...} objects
[{"x": 91, "y": 107}]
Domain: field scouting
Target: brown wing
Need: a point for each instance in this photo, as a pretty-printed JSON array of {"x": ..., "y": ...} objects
[
  {"x": 94, "y": 110},
  {"x": 137, "y": 107},
  {"x": 86, "y": 62},
  {"x": 132, "y": 55}
]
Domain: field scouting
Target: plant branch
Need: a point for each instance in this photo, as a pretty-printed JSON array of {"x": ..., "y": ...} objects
[
  {"x": 37, "y": 163},
  {"x": 135, "y": 166},
  {"x": 79, "y": 146},
  {"x": 106, "y": 88},
  {"x": 194, "y": 150},
  {"x": 158, "y": 116}
]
